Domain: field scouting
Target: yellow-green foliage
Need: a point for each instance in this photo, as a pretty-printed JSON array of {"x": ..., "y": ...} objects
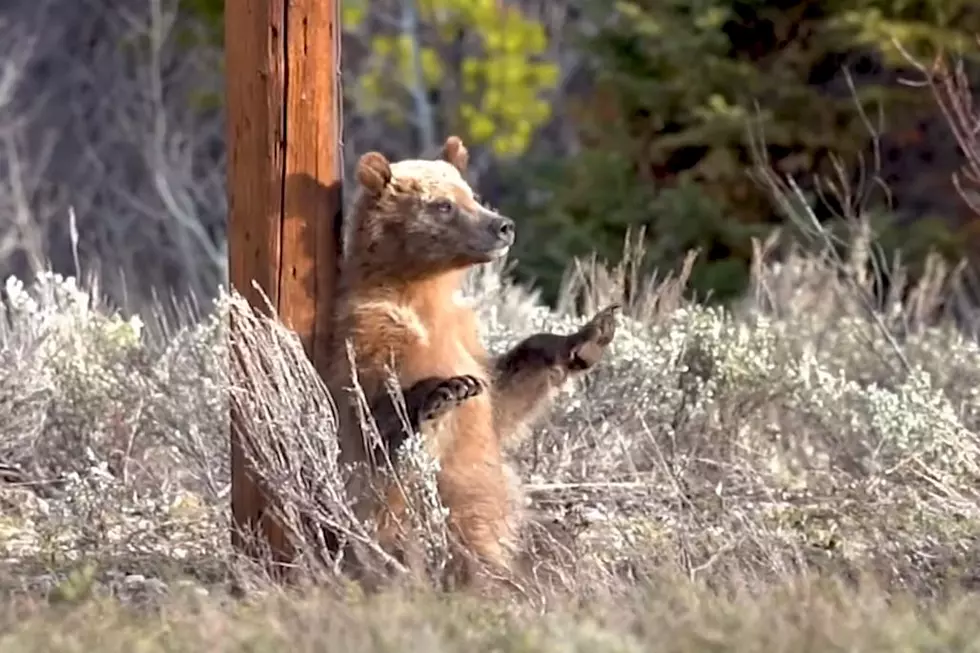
[
  {"x": 353, "y": 13},
  {"x": 919, "y": 28},
  {"x": 502, "y": 87}
]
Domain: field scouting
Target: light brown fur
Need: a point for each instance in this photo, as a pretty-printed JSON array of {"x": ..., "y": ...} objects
[{"x": 405, "y": 258}]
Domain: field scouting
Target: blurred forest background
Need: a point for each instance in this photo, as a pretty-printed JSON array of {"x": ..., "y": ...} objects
[{"x": 585, "y": 118}]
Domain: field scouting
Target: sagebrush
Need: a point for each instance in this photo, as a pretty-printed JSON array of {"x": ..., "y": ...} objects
[{"x": 787, "y": 436}]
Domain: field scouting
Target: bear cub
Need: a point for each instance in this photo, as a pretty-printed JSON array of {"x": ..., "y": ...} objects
[{"x": 415, "y": 229}]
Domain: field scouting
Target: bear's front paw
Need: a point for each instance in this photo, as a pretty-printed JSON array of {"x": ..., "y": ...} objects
[
  {"x": 448, "y": 394},
  {"x": 589, "y": 342}
]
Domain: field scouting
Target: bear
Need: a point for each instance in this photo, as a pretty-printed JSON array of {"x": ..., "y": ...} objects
[{"x": 415, "y": 229}]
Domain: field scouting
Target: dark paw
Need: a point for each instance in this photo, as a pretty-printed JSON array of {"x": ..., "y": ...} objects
[
  {"x": 448, "y": 394},
  {"x": 589, "y": 342}
]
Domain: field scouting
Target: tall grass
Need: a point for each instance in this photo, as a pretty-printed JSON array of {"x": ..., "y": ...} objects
[{"x": 798, "y": 471}]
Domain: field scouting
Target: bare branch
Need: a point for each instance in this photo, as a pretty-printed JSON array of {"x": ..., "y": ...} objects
[{"x": 950, "y": 87}]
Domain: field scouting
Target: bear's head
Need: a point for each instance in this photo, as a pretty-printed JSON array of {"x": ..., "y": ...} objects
[{"x": 418, "y": 218}]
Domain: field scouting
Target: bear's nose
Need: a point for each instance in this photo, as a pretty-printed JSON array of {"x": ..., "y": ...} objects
[{"x": 505, "y": 227}]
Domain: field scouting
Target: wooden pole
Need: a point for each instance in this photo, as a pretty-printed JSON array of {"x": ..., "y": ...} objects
[{"x": 285, "y": 172}]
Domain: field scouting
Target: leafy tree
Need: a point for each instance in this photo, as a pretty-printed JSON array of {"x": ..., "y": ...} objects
[
  {"x": 486, "y": 62},
  {"x": 677, "y": 84},
  {"x": 481, "y": 67}
]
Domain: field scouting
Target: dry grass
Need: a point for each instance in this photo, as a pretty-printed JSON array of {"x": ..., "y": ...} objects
[
  {"x": 677, "y": 616},
  {"x": 790, "y": 474}
]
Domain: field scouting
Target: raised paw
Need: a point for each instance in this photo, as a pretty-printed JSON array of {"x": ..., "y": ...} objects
[
  {"x": 589, "y": 342},
  {"x": 448, "y": 394}
]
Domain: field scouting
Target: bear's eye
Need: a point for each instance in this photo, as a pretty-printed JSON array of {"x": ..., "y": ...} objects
[{"x": 443, "y": 206}]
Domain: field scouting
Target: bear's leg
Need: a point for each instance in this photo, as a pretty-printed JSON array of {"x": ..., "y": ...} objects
[
  {"x": 526, "y": 376},
  {"x": 425, "y": 400},
  {"x": 478, "y": 497}
]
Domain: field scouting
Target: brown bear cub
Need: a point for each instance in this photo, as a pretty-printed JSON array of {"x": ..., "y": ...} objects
[{"x": 415, "y": 231}]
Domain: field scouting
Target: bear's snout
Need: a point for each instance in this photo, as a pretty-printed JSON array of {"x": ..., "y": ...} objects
[
  {"x": 504, "y": 229},
  {"x": 489, "y": 235}
]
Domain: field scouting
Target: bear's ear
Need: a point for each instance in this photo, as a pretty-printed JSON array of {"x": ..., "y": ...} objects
[
  {"x": 373, "y": 172},
  {"x": 455, "y": 153}
]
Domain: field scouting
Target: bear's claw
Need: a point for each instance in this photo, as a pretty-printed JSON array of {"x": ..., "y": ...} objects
[
  {"x": 589, "y": 342},
  {"x": 448, "y": 394}
]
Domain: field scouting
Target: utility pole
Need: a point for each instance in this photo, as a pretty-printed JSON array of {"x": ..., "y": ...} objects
[{"x": 285, "y": 173}]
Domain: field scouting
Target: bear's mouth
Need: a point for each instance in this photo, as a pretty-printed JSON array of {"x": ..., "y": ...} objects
[
  {"x": 494, "y": 248},
  {"x": 498, "y": 252},
  {"x": 492, "y": 237},
  {"x": 488, "y": 253}
]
